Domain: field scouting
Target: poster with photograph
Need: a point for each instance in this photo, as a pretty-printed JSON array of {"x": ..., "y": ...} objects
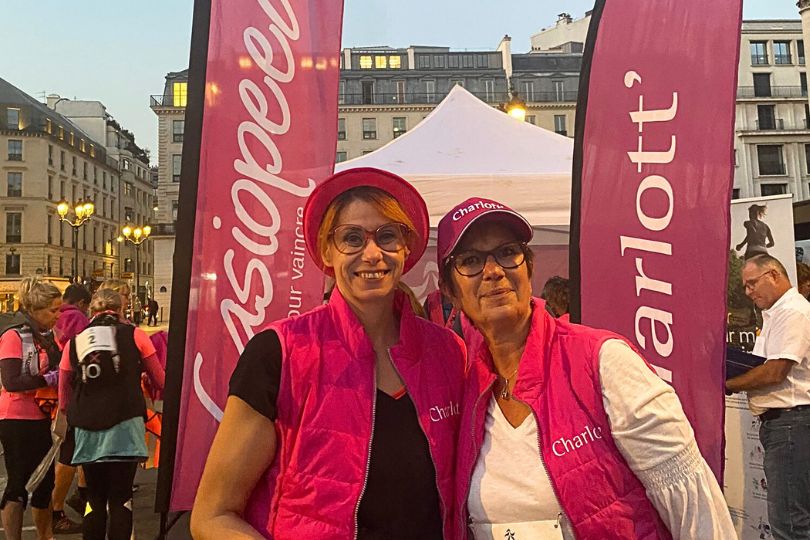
[{"x": 762, "y": 225}]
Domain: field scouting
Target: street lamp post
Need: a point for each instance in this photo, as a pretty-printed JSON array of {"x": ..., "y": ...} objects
[
  {"x": 515, "y": 107},
  {"x": 137, "y": 236},
  {"x": 82, "y": 211}
]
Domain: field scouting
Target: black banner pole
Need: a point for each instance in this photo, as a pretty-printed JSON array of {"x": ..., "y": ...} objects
[
  {"x": 574, "y": 270},
  {"x": 183, "y": 253}
]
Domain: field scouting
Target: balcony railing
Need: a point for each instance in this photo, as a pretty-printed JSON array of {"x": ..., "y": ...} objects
[
  {"x": 771, "y": 124},
  {"x": 163, "y": 229},
  {"x": 163, "y": 101},
  {"x": 425, "y": 98},
  {"x": 747, "y": 92}
]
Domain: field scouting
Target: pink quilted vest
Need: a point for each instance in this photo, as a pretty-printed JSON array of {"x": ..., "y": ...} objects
[
  {"x": 326, "y": 415},
  {"x": 559, "y": 381}
]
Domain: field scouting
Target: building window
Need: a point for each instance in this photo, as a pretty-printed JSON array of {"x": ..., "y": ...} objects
[
  {"x": 15, "y": 147},
  {"x": 430, "y": 91},
  {"x": 174, "y": 211},
  {"x": 127, "y": 189},
  {"x": 766, "y": 117},
  {"x": 394, "y": 62},
  {"x": 560, "y": 124},
  {"x": 179, "y": 94},
  {"x": 781, "y": 52},
  {"x": 73, "y": 159},
  {"x": 177, "y": 160},
  {"x": 342, "y": 93},
  {"x": 50, "y": 187},
  {"x": 369, "y": 128},
  {"x": 489, "y": 89},
  {"x": 14, "y": 227},
  {"x": 532, "y": 119},
  {"x": 126, "y": 164},
  {"x": 95, "y": 175},
  {"x": 13, "y": 118},
  {"x": 92, "y": 150},
  {"x": 467, "y": 61},
  {"x": 365, "y": 62},
  {"x": 735, "y": 193},
  {"x": 72, "y": 139},
  {"x": 61, "y": 133},
  {"x": 481, "y": 61},
  {"x": 84, "y": 170},
  {"x": 340, "y": 157},
  {"x": 178, "y": 129},
  {"x": 49, "y": 126},
  {"x": 380, "y": 62},
  {"x": 452, "y": 61},
  {"x": 438, "y": 61},
  {"x": 400, "y": 89},
  {"x": 423, "y": 61},
  {"x": 770, "y": 158},
  {"x": 772, "y": 189},
  {"x": 559, "y": 90},
  {"x": 456, "y": 82},
  {"x": 800, "y": 51},
  {"x": 129, "y": 214},
  {"x": 528, "y": 90},
  {"x": 341, "y": 131},
  {"x": 128, "y": 265},
  {"x": 62, "y": 160},
  {"x": 759, "y": 53},
  {"x": 50, "y": 155},
  {"x": 762, "y": 84},
  {"x": 399, "y": 126},
  {"x": 368, "y": 92},
  {"x": 103, "y": 179},
  {"x": 82, "y": 145},
  {"x": 61, "y": 234},
  {"x": 14, "y": 184},
  {"x": 13, "y": 264}
]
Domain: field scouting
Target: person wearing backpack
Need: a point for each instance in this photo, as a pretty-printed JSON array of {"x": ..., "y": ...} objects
[
  {"x": 28, "y": 364},
  {"x": 100, "y": 390}
]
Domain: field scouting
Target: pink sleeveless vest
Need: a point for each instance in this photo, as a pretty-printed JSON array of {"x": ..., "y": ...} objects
[
  {"x": 559, "y": 381},
  {"x": 326, "y": 415}
]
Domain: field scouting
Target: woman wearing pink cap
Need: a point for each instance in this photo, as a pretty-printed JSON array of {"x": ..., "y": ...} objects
[
  {"x": 566, "y": 432},
  {"x": 342, "y": 422}
]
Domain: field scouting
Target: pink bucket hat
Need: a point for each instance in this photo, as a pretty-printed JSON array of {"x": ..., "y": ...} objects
[
  {"x": 456, "y": 222},
  {"x": 404, "y": 193}
]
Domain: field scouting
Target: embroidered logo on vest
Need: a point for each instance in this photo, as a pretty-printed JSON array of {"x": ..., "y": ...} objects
[
  {"x": 564, "y": 445},
  {"x": 438, "y": 413}
]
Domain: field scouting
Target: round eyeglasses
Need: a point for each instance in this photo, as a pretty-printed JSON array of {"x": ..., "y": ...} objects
[
  {"x": 471, "y": 262},
  {"x": 351, "y": 239}
]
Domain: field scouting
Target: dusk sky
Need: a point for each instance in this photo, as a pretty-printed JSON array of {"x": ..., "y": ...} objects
[{"x": 119, "y": 52}]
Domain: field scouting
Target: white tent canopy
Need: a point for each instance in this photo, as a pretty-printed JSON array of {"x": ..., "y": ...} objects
[{"x": 466, "y": 148}]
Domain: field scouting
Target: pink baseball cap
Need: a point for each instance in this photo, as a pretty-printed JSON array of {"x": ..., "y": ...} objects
[
  {"x": 456, "y": 222},
  {"x": 404, "y": 193}
]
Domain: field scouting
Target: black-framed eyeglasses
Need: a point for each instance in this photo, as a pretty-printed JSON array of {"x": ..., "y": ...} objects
[
  {"x": 751, "y": 284},
  {"x": 471, "y": 262},
  {"x": 351, "y": 239}
]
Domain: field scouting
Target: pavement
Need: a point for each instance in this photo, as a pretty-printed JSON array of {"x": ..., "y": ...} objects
[{"x": 147, "y": 522}]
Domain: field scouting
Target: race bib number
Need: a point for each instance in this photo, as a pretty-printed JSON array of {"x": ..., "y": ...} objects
[
  {"x": 96, "y": 339},
  {"x": 527, "y": 530}
]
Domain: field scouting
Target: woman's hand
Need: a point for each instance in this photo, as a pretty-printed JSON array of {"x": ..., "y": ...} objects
[{"x": 230, "y": 476}]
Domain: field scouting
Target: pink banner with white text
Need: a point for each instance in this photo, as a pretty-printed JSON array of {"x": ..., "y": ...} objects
[
  {"x": 652, "y": 182},
  {"x": 268, "y": 136}
]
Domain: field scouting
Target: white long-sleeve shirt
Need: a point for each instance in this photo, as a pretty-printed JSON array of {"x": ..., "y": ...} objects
[{"x": 649, "y": 428}]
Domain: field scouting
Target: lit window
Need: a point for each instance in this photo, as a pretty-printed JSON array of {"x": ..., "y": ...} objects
[
  {"x": 48, "y": 126},
  {"x": 399, "y": 126},
  {"x": 92, "y": 150},
  {"x": 394, "y": 62},
  {"x": 380, "y": 62},
  {"x": 61, "y": 133},
  {"x": 365, "y": 62},
  {"x": 71, "y": 139},
  {"x": 82, "y": 145},
  {"x": 179, "y": 94}
]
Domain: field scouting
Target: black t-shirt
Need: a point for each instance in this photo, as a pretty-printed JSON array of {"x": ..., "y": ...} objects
[{"x": 400, "y": 500}]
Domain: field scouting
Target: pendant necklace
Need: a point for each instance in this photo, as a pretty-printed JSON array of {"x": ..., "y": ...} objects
[{"x": 505, "y": 393}]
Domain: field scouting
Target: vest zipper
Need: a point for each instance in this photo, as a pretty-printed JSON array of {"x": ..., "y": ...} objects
[
  {"x": 430, "y": 452},
  {"x": 463, "y": 502},
  {"x": 368, "y": 458},
  {"x": 543, "y": 461}
]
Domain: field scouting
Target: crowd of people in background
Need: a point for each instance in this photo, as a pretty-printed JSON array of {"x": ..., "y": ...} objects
[{"x": 71, "y": 366}]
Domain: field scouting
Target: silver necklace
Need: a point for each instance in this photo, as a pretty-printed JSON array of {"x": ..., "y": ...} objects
[{"x": 505, "y": 393}]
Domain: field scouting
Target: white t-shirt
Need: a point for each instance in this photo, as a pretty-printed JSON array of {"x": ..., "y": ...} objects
[
  {"x": 650, "y": 430},
  {"x": 785, "y": 334}
]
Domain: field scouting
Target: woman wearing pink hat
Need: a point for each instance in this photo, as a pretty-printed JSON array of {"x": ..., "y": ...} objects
[
  {"x": 566, "y": 432},
  {"x": 342, "y": 422}
]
